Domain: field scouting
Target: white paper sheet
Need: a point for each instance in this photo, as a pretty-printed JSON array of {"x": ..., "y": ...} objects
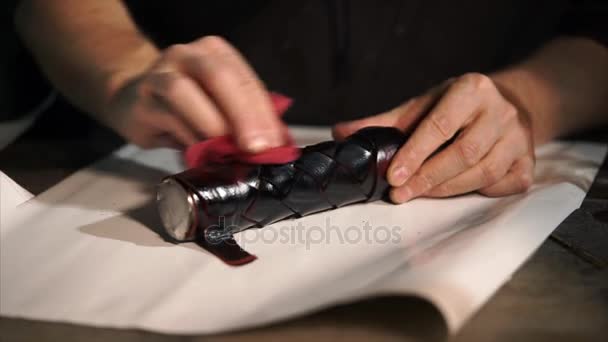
[
  {"x": 86, "y": 251},
  {"x": 11, "y": 195}
]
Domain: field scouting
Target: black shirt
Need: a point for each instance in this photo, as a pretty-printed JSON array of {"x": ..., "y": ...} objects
[{"x": 344, "y": 59}]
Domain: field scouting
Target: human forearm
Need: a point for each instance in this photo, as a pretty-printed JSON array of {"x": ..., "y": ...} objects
[
  {"x": 563, "y": 87},
  {"x": 92, "y": 51},
  {"x": 87, "y": 48}
]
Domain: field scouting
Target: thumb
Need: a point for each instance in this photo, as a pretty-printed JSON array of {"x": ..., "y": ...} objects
[
  {"x": 404, "y": 117},
  {"x": 344, "y": 129}
]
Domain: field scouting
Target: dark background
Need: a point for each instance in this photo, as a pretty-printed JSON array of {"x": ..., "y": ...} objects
[{"x": 339, "y": 59}]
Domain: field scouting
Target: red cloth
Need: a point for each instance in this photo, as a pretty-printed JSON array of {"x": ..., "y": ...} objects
[{"x": 223, "y": 149}]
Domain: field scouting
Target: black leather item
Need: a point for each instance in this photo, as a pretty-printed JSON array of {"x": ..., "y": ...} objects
[{"x": 328, "y": 175}]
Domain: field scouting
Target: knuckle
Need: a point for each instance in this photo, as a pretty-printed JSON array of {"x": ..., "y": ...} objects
[
  {"x": 477, "y": 81},
  {"x": 174, "y": 85},
  {"x": 491, "y": 172},
  {"x": 177, "y": 50},
  {"x": 470, "y": 152},
  {"x": 219, "y": 76},
  {"x": 440, "y": 124},
  {"x": 213, "y": 43},
  {"x": 425, "y": 181},
  {"x": 525, "y": 181},
  {"x": 224, "y": 75}
]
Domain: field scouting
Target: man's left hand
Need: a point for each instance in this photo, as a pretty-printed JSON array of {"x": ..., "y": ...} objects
[{"x": 492, "y": 151}]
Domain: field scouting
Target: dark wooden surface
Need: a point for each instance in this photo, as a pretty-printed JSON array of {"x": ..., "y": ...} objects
[{"x": 557, "y": 295}]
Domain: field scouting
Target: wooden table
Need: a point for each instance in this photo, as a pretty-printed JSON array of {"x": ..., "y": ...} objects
[{"x": 555, "y": 296}]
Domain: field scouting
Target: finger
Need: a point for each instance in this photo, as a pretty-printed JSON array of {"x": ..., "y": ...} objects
[
  {"x": 491, "y": 169},
  {"x": 185, "y": 98},
  {"x": 519, "y": 179},
  {"x": 238, "y": 92},
  {"x": 459, "y": 105},
  {"x": 176, "y": 128},
  {"x": 403, "y": 117},
  {"x": 344, "y": 129},
  {"x": 463, "y": 154}
]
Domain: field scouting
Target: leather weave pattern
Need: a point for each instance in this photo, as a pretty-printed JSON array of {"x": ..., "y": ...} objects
[{"x": 328, "y": 175}]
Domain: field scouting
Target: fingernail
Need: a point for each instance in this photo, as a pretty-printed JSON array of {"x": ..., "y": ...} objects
[
  {"x": 400, "y": 175},
  {"x": 260, "y": 142},
  {"x": 257, "y": 144}
]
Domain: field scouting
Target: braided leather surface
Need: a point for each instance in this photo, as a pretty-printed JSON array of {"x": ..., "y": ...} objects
[{"x": 328, "y": 175}]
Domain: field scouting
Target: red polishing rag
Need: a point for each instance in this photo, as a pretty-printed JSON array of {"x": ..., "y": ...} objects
[{"x": 223, "y": 149}]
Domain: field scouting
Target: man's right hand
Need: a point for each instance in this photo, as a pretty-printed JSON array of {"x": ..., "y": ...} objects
[{"x": 194, "y": 91}]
